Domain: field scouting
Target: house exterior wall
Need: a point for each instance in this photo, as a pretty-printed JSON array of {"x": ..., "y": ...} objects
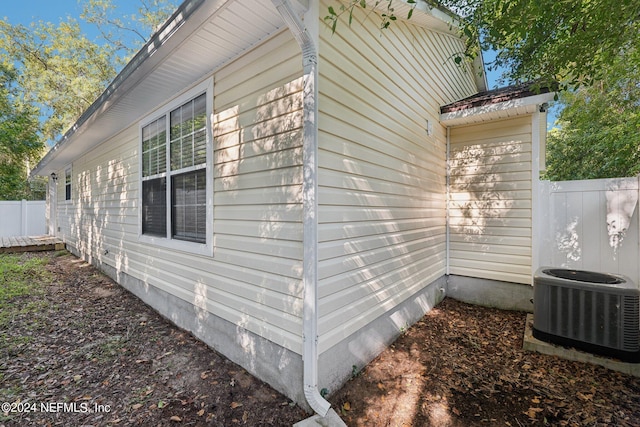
[
  {"x": 381, "y": 181},
  {"x": 382, "y": 201},
  {"x": 252, "y": 283},
  {"x": 491, "y": 200}
]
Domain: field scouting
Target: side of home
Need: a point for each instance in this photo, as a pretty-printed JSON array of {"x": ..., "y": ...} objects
[
  {"x": 193, "y": 201},
  {"x": 186, "y": 183}
]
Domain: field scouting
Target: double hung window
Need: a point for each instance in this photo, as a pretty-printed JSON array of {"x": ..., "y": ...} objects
[
  {"x": 67, "y": 184},
  {"x": 175, "y": 190}
]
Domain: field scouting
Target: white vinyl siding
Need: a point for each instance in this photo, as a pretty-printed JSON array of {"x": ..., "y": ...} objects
[
  {"x": 105, "y": 191},
  {"x": 381, "y": 176},
  {"x": 490, "y": 208},
  {"x": 254, "y": 279}
]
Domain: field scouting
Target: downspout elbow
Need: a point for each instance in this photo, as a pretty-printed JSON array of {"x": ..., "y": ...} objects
[
  {"x": 299, "y": 31},
  {"x": 318, "y": 403}
]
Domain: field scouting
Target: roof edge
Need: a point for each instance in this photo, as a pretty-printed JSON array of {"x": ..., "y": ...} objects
[
  {"x": 472, "y": 113},
  {"x": 168, "y": 28},
  {"x": 494, "y": 96}
]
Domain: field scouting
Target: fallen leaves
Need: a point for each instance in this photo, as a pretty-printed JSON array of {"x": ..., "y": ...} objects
[
  {"x": 586, "y": 396},
  {"x": 533, "y": 412},
  {"x": 467, "y": 367},
  {"x": 118, "y": 353}
]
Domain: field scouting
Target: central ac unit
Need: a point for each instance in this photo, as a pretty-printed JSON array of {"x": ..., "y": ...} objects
[{"x": 594, "y": 312}]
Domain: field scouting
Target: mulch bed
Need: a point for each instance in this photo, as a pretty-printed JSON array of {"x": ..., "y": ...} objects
[
  {"x": 96, "y": 347},
  {"x": 464, "y": 365}
]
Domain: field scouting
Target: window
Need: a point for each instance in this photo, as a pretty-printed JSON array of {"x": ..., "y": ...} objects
[
  {"x": 67, "y": 184},
  {"x": 176, "y": 185}
]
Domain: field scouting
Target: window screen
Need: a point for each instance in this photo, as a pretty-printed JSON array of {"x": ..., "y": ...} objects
[
  {"x": 188, "y": 137},
  {"x": 154, "y": 207},
  {"x": 189, "y": 215},
  {"x": 154, "y": 152}
]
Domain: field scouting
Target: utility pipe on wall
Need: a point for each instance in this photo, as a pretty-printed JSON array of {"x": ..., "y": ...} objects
[{"x": 309, "y": 204}]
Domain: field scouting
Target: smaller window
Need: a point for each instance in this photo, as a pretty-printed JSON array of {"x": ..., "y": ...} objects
[{"x": 67, "y": 184}]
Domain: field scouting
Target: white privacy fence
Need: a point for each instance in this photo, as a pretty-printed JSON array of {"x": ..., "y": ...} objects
[
  {"x": 591, "y": 225},
  {"x": 23, "y": 218}
]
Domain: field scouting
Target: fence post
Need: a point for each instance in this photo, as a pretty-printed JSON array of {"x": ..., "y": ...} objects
[
  {"x": 23, "y": 217},
  {"x": 543, "y": 226}
]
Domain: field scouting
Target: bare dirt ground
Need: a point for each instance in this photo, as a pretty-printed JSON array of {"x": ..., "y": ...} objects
[
  {"x": 113, "y": 361},
  {"x": 116, "y": 362}
]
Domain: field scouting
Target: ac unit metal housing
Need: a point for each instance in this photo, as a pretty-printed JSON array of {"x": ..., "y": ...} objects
[{"x": 594, "y": 312}]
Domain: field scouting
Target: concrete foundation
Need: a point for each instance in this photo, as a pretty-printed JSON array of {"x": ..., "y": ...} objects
[
  {"x": 282, "y": 368},
  {"x": 330, "y": 420},
  {"x": 491, "y": 293},
  {"x": 273, "y": 364},
  {"x": 533, "y": 344},
  {"x": 336, "y": 364},
  {"x": 277, "y": 366}
]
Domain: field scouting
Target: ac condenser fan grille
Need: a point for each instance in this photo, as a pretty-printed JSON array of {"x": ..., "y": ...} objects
[{"x": 601, "y": 317}]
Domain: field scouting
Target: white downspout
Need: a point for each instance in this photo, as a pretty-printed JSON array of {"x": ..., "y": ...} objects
[
  {"x": 309, "y": 204},
  {"x": 448, "y": 202}
]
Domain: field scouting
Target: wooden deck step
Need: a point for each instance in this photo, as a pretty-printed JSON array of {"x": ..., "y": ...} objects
[{"x": 30, "y": 244}]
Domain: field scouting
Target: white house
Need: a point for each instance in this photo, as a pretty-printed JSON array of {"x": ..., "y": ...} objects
[{"x": 282, "y": 192}]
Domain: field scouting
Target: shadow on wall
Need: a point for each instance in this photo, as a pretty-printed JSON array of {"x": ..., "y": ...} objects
[
  {"x": 490, "y": 203},
  {"x": 252, "y": 287},
  {"x": 483, "y": 190},
  {"x": 103, "y": 212},
  {"x": 258, "y": 233},
  {"x": 622, "y": 198}
]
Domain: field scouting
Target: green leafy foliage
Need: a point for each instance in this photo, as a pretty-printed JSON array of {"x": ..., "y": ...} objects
[
  {"x": 51, "y": 73},
  {"x": 587, "y": 50},
  {"x": 125, "y": 34},
  {"x": 59, "y": 71},
  {"x": 387, "y": 14},
  {"x": 568, "y": 42},
  {"x": 19, "y": 140},
  {"x": 598, "y": 133}
]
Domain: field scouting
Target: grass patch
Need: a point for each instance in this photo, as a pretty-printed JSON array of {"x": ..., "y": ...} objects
[
  {"x": 23, "y": 280},
  {"x": 17, "y": 273},
  {"x": 22, "y": 285}
]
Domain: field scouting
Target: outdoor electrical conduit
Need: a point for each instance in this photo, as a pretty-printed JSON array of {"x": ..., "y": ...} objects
[{"x": 309, "y": 205}]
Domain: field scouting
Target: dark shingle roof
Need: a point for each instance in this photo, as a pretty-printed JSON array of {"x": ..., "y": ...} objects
[{"x": 494, "y": 96}]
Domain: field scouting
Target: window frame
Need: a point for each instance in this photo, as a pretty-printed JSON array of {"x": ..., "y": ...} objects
[
  {"x": 168, "y": 241},
  {"x": 68, "y": 186}
]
